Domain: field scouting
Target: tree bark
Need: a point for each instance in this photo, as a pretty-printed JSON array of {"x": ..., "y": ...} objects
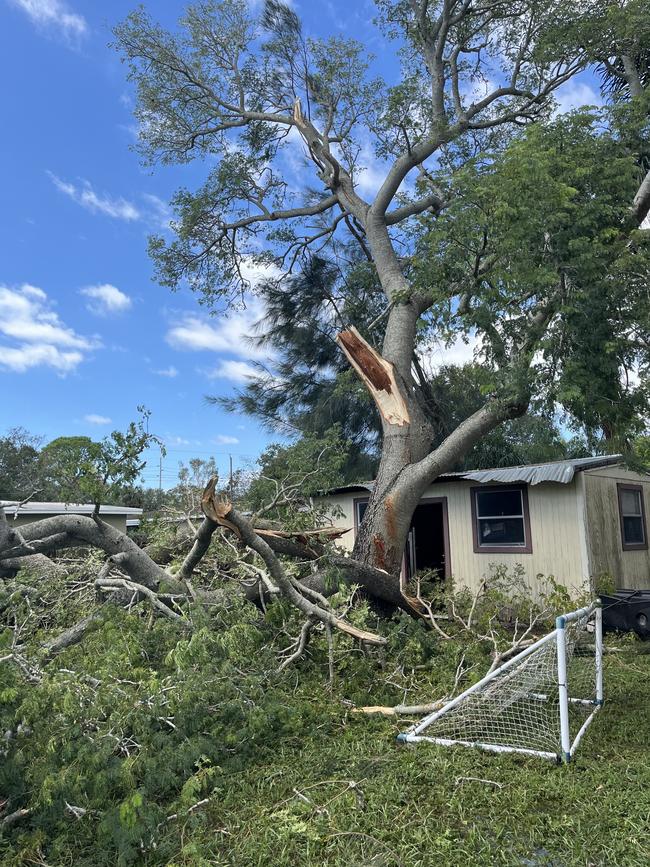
[
  {"x": 82, "y": 530},
  {"x": 22, "y": 555},
  {"x": 71, "y": 636},
  {"x": 407, "y": 464}
]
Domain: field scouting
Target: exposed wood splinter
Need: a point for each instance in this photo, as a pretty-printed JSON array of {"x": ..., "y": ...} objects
[
  {"x": 400, "y": 709},
  {"x": 378, "y": 376}
]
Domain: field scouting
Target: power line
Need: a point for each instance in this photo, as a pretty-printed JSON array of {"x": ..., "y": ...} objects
[{"x": 211, "y": 452}]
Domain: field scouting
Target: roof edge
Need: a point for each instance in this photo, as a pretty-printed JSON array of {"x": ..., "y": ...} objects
[
  {"x": 559, "y": 472},
  {"x": 46, "y": 508}
]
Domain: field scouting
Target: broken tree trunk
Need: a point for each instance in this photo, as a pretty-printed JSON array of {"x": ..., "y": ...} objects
[
  {"x": 378, "y": 376},
  {"x": 408, "y": 462}
]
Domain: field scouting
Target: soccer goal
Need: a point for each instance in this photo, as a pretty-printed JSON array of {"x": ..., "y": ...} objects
[{"x": 540, "y": 702}]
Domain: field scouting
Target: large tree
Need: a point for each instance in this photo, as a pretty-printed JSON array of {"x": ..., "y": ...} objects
[
  {"x": 252, "y": 97},
  {"x": 519, "y": 233}
]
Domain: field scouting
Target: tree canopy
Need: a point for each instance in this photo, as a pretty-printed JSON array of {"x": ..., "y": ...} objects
[
  {"x": 492, "y": 220},
  {"x": 74, "y": 469}
]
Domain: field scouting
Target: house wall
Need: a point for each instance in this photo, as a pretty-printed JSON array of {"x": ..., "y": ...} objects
[
  {"x": 556, "y": 522},
  {"x": 605, "y": 549},
  {"x": 117, "y": 521}
]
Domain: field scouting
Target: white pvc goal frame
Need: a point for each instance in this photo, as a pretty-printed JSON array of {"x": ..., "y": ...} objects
[{"x": 562, "y": 643}]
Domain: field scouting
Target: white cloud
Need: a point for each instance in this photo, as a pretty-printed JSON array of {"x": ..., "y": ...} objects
[
  {"x": 85, "y": 195},
  {"x": 159, "y": 213},
  {"x": 23, "y": 358},
  {"x": 437, "y": 354},
  {"x": 54, "y": 14},
  {"x": 39, "y": 337},
  {"x": 106, "y": 299},
  {"x": 177, "y": 441},
  {"x": 235, "y": 371},
  {"x": 229, "y": 333},
  {"x": 93, "y": 418},
  {"x": 170, "y": 372},
  {"x": 225, "y": 440},
  {"x": 575, "y": 94},
  {"x": 226, "y": 335},
  {"x": 152, "y": 210}
]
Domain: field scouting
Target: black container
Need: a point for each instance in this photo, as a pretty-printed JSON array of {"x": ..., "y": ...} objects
[{"x": 627, "y": 611}]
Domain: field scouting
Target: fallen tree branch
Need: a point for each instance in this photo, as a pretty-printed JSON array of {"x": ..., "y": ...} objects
[
  {"x": 401, "y": 709},
  {"x": 40, "y": 546},
  {"x": 222, "y": 512},
  {"x": 14, "y": 817},
  {"x": 300, "y": 644},
  {"x": 71, "y": 636},
  {"x": 116, "y": 583},
  {"x": 12, "y": 538},
  {"x": 83, "y": 530},
  {"x": 202, "y": 540}
]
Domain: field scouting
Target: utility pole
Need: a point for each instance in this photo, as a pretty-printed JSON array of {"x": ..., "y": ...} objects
[{"x": 160, "y": 471}]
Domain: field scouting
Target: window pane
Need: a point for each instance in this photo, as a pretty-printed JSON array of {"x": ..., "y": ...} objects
[
  {"x": 492, "y": 503},
  {"x": 633, "y": 531},
  {"x": 509, "y": 531},
  {"x": 630, "y": 502},
  {"x": 361, "y": 510}
]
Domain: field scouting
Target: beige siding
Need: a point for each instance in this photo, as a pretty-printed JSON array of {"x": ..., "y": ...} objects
[
  {"x": 606, "y": 554},
  {"x": 117, "y": 521},
  {"x": 556, "y": 528},
  {"x": 341, "y": 514}
]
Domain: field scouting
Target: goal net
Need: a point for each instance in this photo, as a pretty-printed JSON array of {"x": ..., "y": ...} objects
[{"x": 540, "y": 702}]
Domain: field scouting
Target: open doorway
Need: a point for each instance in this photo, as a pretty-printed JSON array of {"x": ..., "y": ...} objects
[
  {"x": 427, "y": 545},
  {"x": 428, "y": 540}
]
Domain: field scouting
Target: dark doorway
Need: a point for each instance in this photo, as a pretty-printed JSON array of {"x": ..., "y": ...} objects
[
  {"x": 428, "y": 540},
  {"x": 427, "y": 544}
]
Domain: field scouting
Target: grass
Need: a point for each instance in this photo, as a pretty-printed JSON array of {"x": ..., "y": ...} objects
[
  {"x": 267, "y": 768},
  {"x": 354, "y": 797}
]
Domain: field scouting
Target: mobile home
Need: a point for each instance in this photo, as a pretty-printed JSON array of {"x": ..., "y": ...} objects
[{"x": 575, "y": 520}]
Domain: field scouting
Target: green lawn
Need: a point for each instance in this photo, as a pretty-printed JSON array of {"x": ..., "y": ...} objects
[
  {"x": 284, "y": 773},
  {"x": 373, "y": 802}
]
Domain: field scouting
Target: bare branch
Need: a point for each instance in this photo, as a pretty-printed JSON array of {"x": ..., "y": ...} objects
[
  {"x": 156, "y": 601},
  {"x": 223, "y": 512},
  {"x": 433, "y": 202},
  {"x": 300, "y": 644}
]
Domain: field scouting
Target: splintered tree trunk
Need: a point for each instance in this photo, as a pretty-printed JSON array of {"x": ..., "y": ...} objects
[
  {"x": 408, "y": 462},
  {"x": 407, "y": 437}
]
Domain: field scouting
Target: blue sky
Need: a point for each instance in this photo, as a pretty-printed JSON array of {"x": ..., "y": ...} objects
[{"x": 85, "y": 335}]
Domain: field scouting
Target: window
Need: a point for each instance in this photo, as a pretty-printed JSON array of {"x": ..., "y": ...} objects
[
  {"x": 501, "y": 522},
  {"x": 360, "y": 507},
  {"x": 632, "y": 515}
]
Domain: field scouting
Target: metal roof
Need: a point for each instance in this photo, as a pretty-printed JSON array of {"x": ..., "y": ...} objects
[
  {"x": 357, "y": 487},
  {"x": 561, "y": 472},
  {"x": 532, "y": 474},
  {"x": 36, "y": 508}
]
